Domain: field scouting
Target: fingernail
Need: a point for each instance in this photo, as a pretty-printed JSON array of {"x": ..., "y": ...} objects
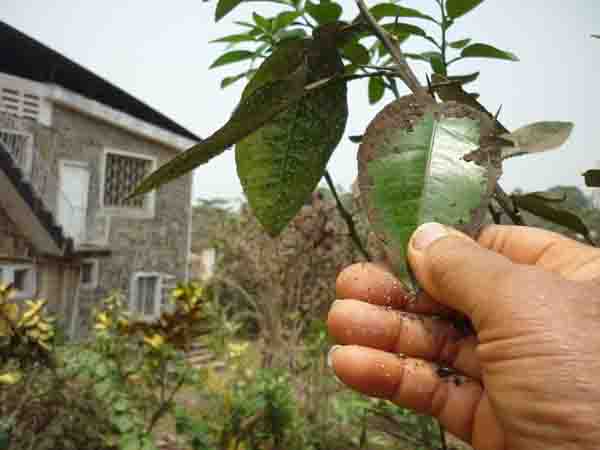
[
  {"x": 329, "y": 355},
  {"x": 426, "y": 234}
]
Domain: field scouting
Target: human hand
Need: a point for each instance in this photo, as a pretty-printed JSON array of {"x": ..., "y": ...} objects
[{"x": 530, "y": 378}]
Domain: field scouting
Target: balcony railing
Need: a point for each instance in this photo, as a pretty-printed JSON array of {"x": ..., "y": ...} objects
[{"x": 37, "y": 171}]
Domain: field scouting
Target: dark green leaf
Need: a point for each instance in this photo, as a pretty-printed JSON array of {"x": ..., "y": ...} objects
[
  {"x": 224, "y": 7},
  {"x": 376, "y": 89},
  {"x": 592, "y": 178},
  {"x": 288, "y": 35},
  {"x": 537, "y": 137},
  {"x": 425, "y": 56},
  {"x": 458, "y": 8},
  {"x": 278, "y": 84},
  {"x": 392, "y": 10},
  {"x": 409, "y": 176},
  {"x": 232, "y": 57},
  {"x": 597, "y": 36},
  {"x": 356, "y": 53},
  {"x": 236, "y": 38},
  {"x": 323, "y": 12},
  {"x": 357, "y": 138},
  {"x": 487, "y": 51},
  {"x": 542, "y": 208},
  {"x": 280, "y": 164},
  {"x": 460, "y": 44}
]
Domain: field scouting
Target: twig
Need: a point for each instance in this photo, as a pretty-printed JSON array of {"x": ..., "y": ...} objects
[
  {"x": 401, "y": 68},
  {"x": 508, "y": 205},
  {"x": 347, "y": 218},
  {"x": 496, "y": 215},
  {"x": 442, "y": 436}
]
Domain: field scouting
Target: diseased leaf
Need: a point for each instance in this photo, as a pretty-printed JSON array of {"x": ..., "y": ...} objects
[
  {"x": 464, "y": 79},
  {"x": 460, "y": 44},
  {"x": 412, "y": 171},
  {"x": 232, "y": 57},
  {"x": 281, "y": 164},
  {"x": 542, "y": 208},
  {"x": 391, "y": 10},
  {"x": 537, "y": 137},
  {"x": 376, "y": 89},
  {"x": 458, "y": 8},
  {"x": 592, "y": 178},
  {"x": 280, "y": 80},
  {"x": 479, "y": 50}
]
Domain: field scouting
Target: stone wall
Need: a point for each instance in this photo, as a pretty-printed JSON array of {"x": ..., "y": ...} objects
[{"x": 157, "y": 244}]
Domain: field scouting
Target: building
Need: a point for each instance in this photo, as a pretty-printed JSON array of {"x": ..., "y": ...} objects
[{"x": 72, "y": 146}]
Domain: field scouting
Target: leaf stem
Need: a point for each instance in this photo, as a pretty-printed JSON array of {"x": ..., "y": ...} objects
[
  {"x": 347, "y": 218},
  {"x": 401, "y": 68},
  {"x": 508, "y": 206}
]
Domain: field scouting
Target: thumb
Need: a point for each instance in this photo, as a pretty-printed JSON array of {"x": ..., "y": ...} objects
[{"x": 459, "y": 273}]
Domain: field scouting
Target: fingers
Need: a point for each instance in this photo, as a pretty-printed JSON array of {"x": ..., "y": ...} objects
[
  {"x": 458, "y": 402},
  {"x": 463, "y": 275},
  {"x": 359, "y": 323},
  {"x": 376, "y": 285},
  {"x": 551, "y": 251}
]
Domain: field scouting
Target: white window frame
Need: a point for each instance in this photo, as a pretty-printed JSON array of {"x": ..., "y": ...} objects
[
  {"x": 147, "y": 212},
  {"x": 8, "y": 273},
  {"x": 95, "y": 274},
  {"x": 157, "y": 295}
]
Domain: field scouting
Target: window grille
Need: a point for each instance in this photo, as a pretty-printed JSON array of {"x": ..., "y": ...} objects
[{"x": 122, "y": 175}]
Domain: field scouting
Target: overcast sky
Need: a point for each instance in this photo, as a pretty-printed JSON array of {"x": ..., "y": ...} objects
[{"x": 159, "y": 52}]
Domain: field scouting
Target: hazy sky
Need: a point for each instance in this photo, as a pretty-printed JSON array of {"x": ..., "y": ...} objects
[{"x": 159, "y": 52}]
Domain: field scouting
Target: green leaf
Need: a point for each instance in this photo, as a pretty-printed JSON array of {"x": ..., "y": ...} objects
[
  {"x": 399, "y": 29},
  {"x": 537, "y": 137},
  {"x": 460, "y": 44},
  {"x": 235, "y": 38},
  {"x": 376, "y": 89},
  {"x": 437, "y": 65},
  {"x": 232, "y": 57},
  {"x": 479, "y": 50},
  {"x": 224, "y": 7},
  {"x": 392, "y": 10},
  {"x": 356, "y": 53},
  {"x": 458, "y": 8},
  {"x": 409, "y": 176},
  {"x": 540, "y": 207},
  {"x": 323, "y": 12},
  {"x": 285, "y": 19},
  {"x": 281, "y": 164},
  {"x": 288, "y": 35},
  {"x": 228, "y": 81},
  {"x": 280, "y": 80},
  {"x": 425, "y": 56},
  {"x": 261, "y": 22},
  {"x": 592, "y": 178},
  {"x": 464, "y": 79}
]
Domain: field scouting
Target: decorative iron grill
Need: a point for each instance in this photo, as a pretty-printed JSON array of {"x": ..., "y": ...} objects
[{"x": 122, "y": 175}]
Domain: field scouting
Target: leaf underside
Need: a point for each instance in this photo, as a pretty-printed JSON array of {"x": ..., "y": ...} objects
[
  {"x": 537, "y": 137},
  {"x": 410, "y": 175}
]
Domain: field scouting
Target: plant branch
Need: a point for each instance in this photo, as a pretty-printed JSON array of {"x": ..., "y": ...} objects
[
  {"x": 347, "y": 218},
  {"x": 401, "y": 68},
  {"x": 508, "y": 205}
]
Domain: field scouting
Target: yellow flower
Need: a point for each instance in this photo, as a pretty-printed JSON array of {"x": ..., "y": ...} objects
[
  {"x": 10, "y": 378},
  {"x": 155, "y": 341}
]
